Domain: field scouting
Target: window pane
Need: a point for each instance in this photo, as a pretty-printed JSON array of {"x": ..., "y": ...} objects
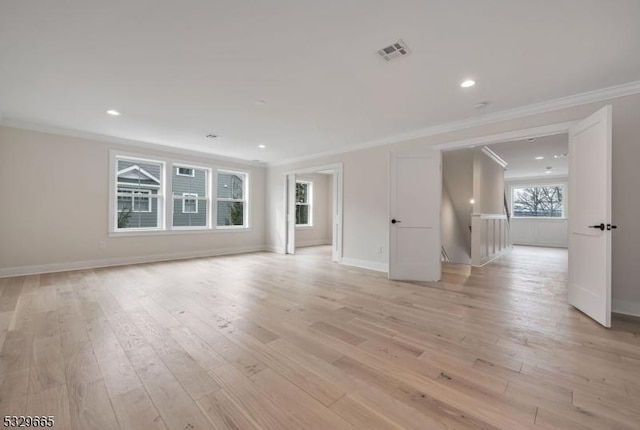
[
  {"x": 543, "y": 201},
  {"x": 302, "y": 214},
  {"x": 195, "y": 213},
  {"x": 196, "y": 184},
  {"x": 128, "y": 217},
  {"x": 138, "y": 185},
  {"x": 230, "y": 213},
  {"x": 231, "y": 186},
  {"x": 302, "y": 192}
]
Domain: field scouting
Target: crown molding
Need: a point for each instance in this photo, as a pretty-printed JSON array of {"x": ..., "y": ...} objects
[
  {"x": 588, "y": 97},
  {"x": 495, "y": 157},
  {"x": 45, "y": 128}
]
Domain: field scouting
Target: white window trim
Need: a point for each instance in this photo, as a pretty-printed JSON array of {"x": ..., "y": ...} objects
[
  {"x": 534, "y": 184},
  {"x": 244, "y": 200},
  {"x": 166, "y": 199},
  {"x": 184, "y": 201},
  {"x": 309, "y": 203}
]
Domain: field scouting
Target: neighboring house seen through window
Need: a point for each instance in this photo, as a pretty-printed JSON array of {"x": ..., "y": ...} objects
[
  {"x": 304, "y": 191},
  {"x": 231, "y": 199},
  {"x": 538, "y": 201},
  {"x": 190, "y": 191},
  {"x": 138, "y": 188},
  {"x": 158, "y": 195}
]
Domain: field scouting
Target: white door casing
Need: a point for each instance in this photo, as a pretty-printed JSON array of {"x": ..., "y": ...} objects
[
  {"x": 415, "y": 193},
  {"x": 291, "y": 214},
  {"x": 590, "y": 205}
]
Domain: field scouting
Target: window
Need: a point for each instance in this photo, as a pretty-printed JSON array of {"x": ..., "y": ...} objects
[
  {"x": 134, "y": 202},
  {"x": 190, "y": 197},
  {"x": 185, "y": 171},
  {"x": 303, "y": 203},
  {"x": 190, "y": 206},
  {"x": 231, "y": 199},
  {"x": 156, "y": 195},
  {"x": 538, "y": 201},
  {"x": 138, "y": 193}
]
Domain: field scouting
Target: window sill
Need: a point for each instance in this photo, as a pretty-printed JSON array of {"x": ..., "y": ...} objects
[
  {"x": 304, "y": 227},
  {"x": 178, "y": 232}
]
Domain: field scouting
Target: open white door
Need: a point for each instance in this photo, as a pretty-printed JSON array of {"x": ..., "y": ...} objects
[
  {"x": 291, "y": 214},
  {"x": 590, "y": 216},
  {"x": 415, "y": 193}
]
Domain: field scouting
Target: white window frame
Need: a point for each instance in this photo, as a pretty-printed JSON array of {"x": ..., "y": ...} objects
[
  {"x": 205, "y": 199},
  {"x": 562, "y": 185},
  {"x": 309, "y": 204},
  {"x": 166, "y": 199},
  {"x": 244, "y": 200},
  {"x": 191, "y": 175},
  {"x": 114, "y": 193},
  {"x": 184, "y": 201}
]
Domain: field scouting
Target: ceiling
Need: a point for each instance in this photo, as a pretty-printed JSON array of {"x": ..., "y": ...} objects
[
  {"x": 521, "y": 157},
  {"x": 178, "y": 71}
]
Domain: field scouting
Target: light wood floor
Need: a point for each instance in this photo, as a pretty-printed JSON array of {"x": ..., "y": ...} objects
[{"x": 267, "y": 341}]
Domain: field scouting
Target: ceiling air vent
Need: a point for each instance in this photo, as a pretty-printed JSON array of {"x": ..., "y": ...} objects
[{"x": 395, "y": 50}]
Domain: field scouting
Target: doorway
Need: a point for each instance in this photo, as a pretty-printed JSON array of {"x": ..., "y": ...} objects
[{"x": 314, "y": 211}]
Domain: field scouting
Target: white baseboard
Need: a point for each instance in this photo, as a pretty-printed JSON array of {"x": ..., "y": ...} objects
[
  {"x": 625, "y": 307},
  {"x": 366, "y": 264},
  {"x": 122, "y": 261},
  {"x": 317, "y": 242},
  {"x": 276, "y": 249}
]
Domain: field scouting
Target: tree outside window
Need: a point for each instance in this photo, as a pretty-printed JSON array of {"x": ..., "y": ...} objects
[
  {"x": 538, "y": 201},
  {"x": 303, "y": 203}
]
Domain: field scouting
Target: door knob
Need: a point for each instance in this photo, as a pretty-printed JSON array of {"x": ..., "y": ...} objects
[
  {"x": 393, "y": 221},
  {"x": 600, "y": 226}
]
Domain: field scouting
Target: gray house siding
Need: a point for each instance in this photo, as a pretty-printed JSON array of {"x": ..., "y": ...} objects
[
  {"x": 196, "y": 184},
  {"x": 138, "y": 183},
  {"x": 230, "y": 186}
]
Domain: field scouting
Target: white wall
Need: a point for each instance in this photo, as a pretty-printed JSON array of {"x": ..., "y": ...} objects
[
  {"x": 366, "y": 197},
  {"x": 55, "y": 204},
  {"x": 488, "y": 184},
  {"x": 543, "y": 231},
  {"x": 454, "y": 240},
  {"x": 457, "y": 180},
  {"x": 320, "y": 232}
]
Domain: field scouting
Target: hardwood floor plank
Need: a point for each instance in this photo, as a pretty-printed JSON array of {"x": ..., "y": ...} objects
[{"x": 267, "y": 341}]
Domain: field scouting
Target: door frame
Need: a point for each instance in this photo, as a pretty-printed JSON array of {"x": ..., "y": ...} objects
[{"x": 338, "y": 214}]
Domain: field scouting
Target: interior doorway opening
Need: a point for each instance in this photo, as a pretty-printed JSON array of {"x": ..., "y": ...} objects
[{"x": 314, "y": 211}]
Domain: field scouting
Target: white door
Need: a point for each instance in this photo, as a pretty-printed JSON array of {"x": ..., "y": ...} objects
[
  {"x": 415, "y": 193},
  {"x": 291, "y": 214},
  {"x": 590, "y": 216}
]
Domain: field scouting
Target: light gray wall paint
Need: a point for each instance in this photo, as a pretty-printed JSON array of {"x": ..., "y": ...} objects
[
  {"x": 454, "y": 240},
  {"x": 320, "y": 232},
  {"x": 488, "y": 184},
  {"x": 457, "y": 179},
  {"x": 59, "y": 186}
]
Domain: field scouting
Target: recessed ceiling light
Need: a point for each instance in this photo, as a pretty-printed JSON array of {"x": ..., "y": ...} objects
[
  {"x": 261, "y": 102},
  {"x": 468, "y": 83},
  {"x": 113, "y": 112},
  {"x": 481, "y": 105},
  {"x": 261, "y": 146},
  {"x": 472, "y": 201},
  {"x": 531, "y": 139},
  {"x": 547, "y": 172},
  {"x": 212, "y": 136},
  {"x": 560, "y": 155},
  {"x": 539, "y": 157}
]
